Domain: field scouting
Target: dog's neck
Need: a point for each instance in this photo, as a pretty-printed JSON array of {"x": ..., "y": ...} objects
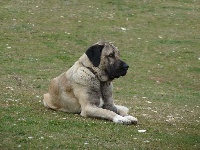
[
  {"x": 98, "y": 72},
  {"x": 101, "y": 75}
]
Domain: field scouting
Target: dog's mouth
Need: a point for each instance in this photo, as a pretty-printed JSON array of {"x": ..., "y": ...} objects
[{"x": 117, "y": 73}]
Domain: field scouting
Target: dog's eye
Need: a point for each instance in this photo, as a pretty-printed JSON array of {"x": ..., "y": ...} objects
[{"x": 111, "y": 55}]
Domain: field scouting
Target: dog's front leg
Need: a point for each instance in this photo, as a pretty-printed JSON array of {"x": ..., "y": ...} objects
[
  {"x": 89, "y": 100},
  {"x": 96, "y": 112},
  {"x": 121, "y": 110},
  {"x": 109, "y": 103}
]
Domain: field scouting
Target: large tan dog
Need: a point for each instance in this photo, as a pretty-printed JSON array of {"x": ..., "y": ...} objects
[{"x": 86, "y": 88}]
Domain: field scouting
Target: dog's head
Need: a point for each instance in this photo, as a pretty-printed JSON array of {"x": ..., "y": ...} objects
[{"x": 106, "y": 57}]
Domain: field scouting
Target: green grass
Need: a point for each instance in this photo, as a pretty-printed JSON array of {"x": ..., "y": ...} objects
[{"x": 41, "y": 39}]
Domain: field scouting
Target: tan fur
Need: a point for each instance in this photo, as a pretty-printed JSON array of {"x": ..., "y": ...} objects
[{"x": 83, "y": 88}]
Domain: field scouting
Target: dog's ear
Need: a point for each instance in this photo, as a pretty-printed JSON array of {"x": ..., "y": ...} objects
[{"x": 94, "y": 54}]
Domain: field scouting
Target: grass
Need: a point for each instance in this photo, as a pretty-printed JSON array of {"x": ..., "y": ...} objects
[{"x": 158, "y": 39}]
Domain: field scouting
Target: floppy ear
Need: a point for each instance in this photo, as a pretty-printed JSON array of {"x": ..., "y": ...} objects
[{"x": 94, "y": 54}]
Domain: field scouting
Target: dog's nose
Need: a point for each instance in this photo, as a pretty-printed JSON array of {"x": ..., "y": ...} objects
[{"x": 125, "y": 66}]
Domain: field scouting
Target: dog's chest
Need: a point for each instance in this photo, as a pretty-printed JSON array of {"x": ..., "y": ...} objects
[{"x": 101, "y": 102}]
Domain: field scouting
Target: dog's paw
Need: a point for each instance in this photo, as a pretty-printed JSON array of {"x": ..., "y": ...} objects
[
  {"x": 122, "y": 120},
  {"x": 132, "y": 119}
]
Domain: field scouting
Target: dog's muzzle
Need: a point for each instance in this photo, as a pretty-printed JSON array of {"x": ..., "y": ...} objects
[{"x": 117, "y": 70}]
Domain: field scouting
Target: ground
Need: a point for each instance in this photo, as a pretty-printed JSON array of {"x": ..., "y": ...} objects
[{"x": 159, "y": 40}]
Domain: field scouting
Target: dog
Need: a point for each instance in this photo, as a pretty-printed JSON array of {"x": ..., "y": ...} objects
[{"x": 86, "y": 88}]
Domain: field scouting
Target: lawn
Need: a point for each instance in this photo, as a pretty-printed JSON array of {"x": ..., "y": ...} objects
[{"x": 160, "y": 40}]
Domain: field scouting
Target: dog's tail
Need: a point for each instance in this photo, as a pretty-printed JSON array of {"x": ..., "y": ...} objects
[
  {"x": 125, "y": 109},
  {"x": 47, "y": 102}
]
